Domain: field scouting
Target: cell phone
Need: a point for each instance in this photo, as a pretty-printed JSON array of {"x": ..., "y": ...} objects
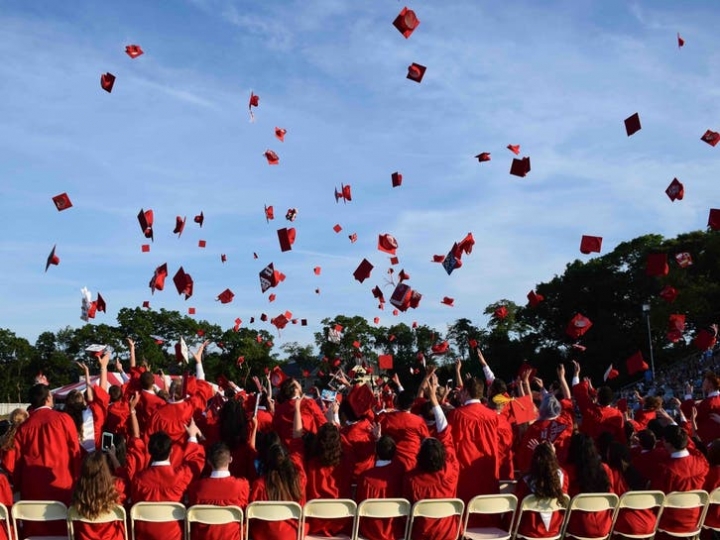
[
  {"x": 107, "y": 441},
  {"x": 450, "y": 383},
  {"x": 328, "y": 395}
]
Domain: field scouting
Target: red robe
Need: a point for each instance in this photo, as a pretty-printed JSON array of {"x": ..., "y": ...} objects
[
  {"x": 116, "y": 420},
  {"x": 597, "y": 419},
  {"x": 408, "y": 431},
  {"x": 557, "y": 431},
  {"x": 172, "y": 419},
  {"x": 707, "y": 429},
  {"x": 646, "y": 462},
  {"x": 588, "y": 524},
  {"x": 475, "y": 432},
  {"x": 359, "y": 446},
  {"x": 712, "y": 481},
  {"x": 442, "y": 484},
  {"x": 6, "y": 498},
  {"x": 506, "y": 439},
  {"x": 630, "y": 521},
  {"x": 113, "y": 530},
  {"x": 265, "y": 421},
  {"x": 381, "y": 483},
  {"x": 328, "y": 482},
  {"x": 225, "y": 491},
  {"x": 532, "y": 524},
  {"x": 166, "y": 483},
  {"x": 148, "y": 403},
  {"x": 312, "y": 418}
]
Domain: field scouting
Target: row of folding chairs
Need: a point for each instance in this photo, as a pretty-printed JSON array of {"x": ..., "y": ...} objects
[{"x": 501, "y": 504}]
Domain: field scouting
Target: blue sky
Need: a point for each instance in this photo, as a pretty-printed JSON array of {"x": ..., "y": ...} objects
[{"x": 557, "y": 78}]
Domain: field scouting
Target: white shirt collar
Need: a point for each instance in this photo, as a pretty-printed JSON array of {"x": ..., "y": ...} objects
[
  {"x": 220, "y": 474},
  {"x": 680, "y": 453},
  {"x": 382, "y": 462},
  {"x": 714, "y": 393},
  {"x": 469, "y": 401},
  {"x": 165, "y": 463}
]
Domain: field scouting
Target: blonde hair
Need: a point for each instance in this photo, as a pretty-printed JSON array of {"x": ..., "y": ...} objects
[
  {"x": 95, "y": 493},
  {"x": 17, "y": 417}
]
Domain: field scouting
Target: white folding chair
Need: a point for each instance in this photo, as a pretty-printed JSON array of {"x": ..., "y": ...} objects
[
  {"x": 687, "y": 500},
  {"x": 596, "y": 503},
  {"x": 383, "y": 509},
  {"x": 273, "y": 511},
  {"x": 156, "y": 512},
  {"x": 329, "y": 509},
  {"x": 5, "y": 517},
  {"x": 116, "y": 514},
  {"x": 532, "y": 503},
  {"x": 39, "y": 511},
  {"x": 437, "y": 509},
  {"x": 636, "y": 501},
  {"x": 713, "y": 502},
  {"x": 209, "y": 514},
  {"x": 490, "y": 505}
]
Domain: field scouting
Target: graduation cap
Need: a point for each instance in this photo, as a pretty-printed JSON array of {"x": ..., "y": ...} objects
[
  {"x": 62, "y": 202},
  {"x": 272, "y": 157},
  {"x": 145, "y": 219},
  {"x": 345, "y": 193},
  {"x": 353, "y": 238},
  {"x": 238, "y": 321},
  {"x": 377, "y": 293},
  {"x": 280, "y": 321},
  {"x": 403, "y": 276},
  {"x": 711, "y": 137},
  {"x": 145, "y": 248},
  {"x": 291, "y": 214},
  {"x": 714, "y": 219},
  {"x": 361, "y": 399},
  {"x": 100, "y": 303},
  {"x": 416, "y": 72},
  {"x": 199, "y": 219},
  {"x": 675, "y": 190},
  {"x": 705, "y": 339},
  {"x": 636, "y": 364},
  {"x": 406, "y": 22},
  {"x": 133, "y": 51},
  {"x": 676, "y": 327},
  {"x": 632, "y": 124},
  {"x": 254, "y": 101},
  {"x": 534, "y": 298},
  {"x": 337, "y": 228},
  {"x": 202, "y": 243},
  {"x": 223, "y": 257},
  {"x": 226, "y": 297},
  {"x": 107, "y": 81},
  {"x": 577, "y": 326},
  {"x": 483, "y": 156},
  {"x": 179, "y": 226},
  {"x": 271, "y": 298},
  {"x": 183, "y": 283},
  {"x": 680, "y": 41},
  {"x": 669, "y": 294},
  {"x": 146, "y": 304},
  {"x": 396, "y": 179},
  {"x": 590, "y": 244},
  {"x": 501, "y": 313},
  {"x": 387, "y": 243},
  {"x": 441, "y": 348},
  {"x": 269, "y": 213},
  {"x": 182, "y": 354},
  {"x": 303, "y": 322},
  {"x": 657, "y": 264},
  {"x": 158, "y": 279},
  {"x": 269, "y": 277},
  {"x": 514, "y": 148},
  {"x": 52, "y": 259},
  {"x": 277, "y": 376},
  {"x": 362, "y": 272},
  {"x": 280, "y": 133},
  {"x": 286, "y": 238},
  {"x": 520, "y": 167},
  {"x": 684, "y": 259},
  {"x": 404, "y": 297},
  {"x": 376, "y": 320},
  {"x": 610, "y": 373},
  {"x": 448, "y": 301},
  {"x": 394, "y": 260}
]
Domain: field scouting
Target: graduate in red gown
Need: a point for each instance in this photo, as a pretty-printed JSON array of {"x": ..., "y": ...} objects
[
  {"x": 708, "y": 429},
  {"x": 312, "y": 416},
  {"x": 219, "y": 489},
  {"x": 408, "y": 430},
  {"x": 597, "y": 416},
  {"x": 6, "y": 498},
  {"x": 149, "y": 400},
  {"x": 233, "y": 430},
  {"x": 712, "y": 482},
  {"x": 357, "y": 440},
  {"x": 163, "y": 482},
  {"x": 436, "y": 474},
  {"x": 89, "y": 409},
  {"x": 8, "y": 454},
  {"x": 118, "y": 412}
]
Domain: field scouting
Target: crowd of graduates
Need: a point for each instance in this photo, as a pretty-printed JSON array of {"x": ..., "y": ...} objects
[{"x": 195, "y": 444}]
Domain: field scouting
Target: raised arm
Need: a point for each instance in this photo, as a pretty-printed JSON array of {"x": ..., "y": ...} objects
[
  {"x": 563, "y": 382},
  {"x": 458, "y": 372},
  {"x": 88, "y": 385},
  {"x": 199, "y": 372},
  {"x": 134, "y": 425},
  {"x": 131, "y": 346},
  {"x": 104, "y": 360},
  {"x": 441, "y": 423},
  {"x": 297, "y": 419},
  {"x": 489, "y": 375}
]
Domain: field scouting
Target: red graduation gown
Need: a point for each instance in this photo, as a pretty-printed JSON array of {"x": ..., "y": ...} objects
[
  {"x": 408, "y": 431},
  {"x": 588, "y": 524},
  {"x": 172, "y": 419},
  {"x": 381, "y": 483},
  {"x": 359, "y": 446},
  {"x": 707, "y": 429},
  {"x": 630, "y": 521},
  {"x": 312, "y": 418},
  {"x": 532, "y": 523},
  {"x": 597, "y": 419},
  {"x": 116, "y": 420},
  {"x": 148, "y": 403},
  {"x": 113, "y": 530},
  {"x": 328, "y": 482},
  {"x": 226, "y": 491}
]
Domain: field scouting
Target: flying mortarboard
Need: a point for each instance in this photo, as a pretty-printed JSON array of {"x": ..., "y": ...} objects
[
  {"x": 272, "y": 297},
  {"x": 675, "y": 190},
  {"x": 394, "y": 261},
  {"x": 146, "y": 218},
  {"x": 145, "y": 248},
  {"x": 362, "y": 272},
  {"x": 280, "y": 133},
  {"x": 238, "y": 321},
  {"x": 577, "y": 326},
  {"x": 534, "y": 298},
  {"x": 183, "y": 283},
  {"x": 403, "y": 275},
  {"x": 291, "y": 214},
  {"x": 133, "y": 51},
  {"x": 254, "y": 101},
  {"x": 520, "y": 167},
  {"x": 287, "y": 238},
  {"x": 100, "y": 303},
  {"x": 263, "y": 318},
  {"x": 636, "y": 364},
  {"x": 387, "y": 243},
  {"x": 272, "y": 157},
  {"x": 669, "y": 294},
  {"x": 179, "y": 226},
  {"x": 269, "y": 213},
  {"x": 683, "y": 259},
  {"x": 158, "y": 279},
  {"x": 590, "y": 244},
  {"x": 62, "y": 202},
  {"x": 680, "y": 41},
  {"x": 396, "y": 179},
  {"x": 317, "y": 270},
  {"x": 483, "y": 156},
  {"x": 440, "y": 348},
  {"x": 269, "y": 277},
  {"x": 337, "y": 228},
  {"x": 406, "y": 22},
  {"x": 632, "y": 124},
  {"x": 146, "y": 304},
  {"x": 345, "y": 193},
  {"x": 223, "y": 257},
  {"x": 676, "y": 327},
  {"x": 199, "y": 219},
  {"x": 353, "y": 238},
  {"x": 714, "y": 219},
  {"x": 711, "y": 137},
  {"x": 514, "y": 148},
  {"x": 501, "y": 312},
  {"x": 416, "y": 72},
  {"x": 448, "y": 301},
  {"x": 52, "y": 259},
  {"x": 202, "y": 243},
  {"x": 610, "y": 373},
  {"x": 191, "y": 311},
  {"x": 107, "y": 81},
  {"x": 657, "y": 264}
]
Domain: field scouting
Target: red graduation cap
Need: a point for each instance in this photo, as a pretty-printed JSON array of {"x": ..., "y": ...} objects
[
  {"x": 440, "y": 348},
  {"x": 362, "y": 272},
  {"x": 133, "y": 51},
  {"x": 345, "y": 193},
  {"x": 280, "y": 321},
  {"x": 158, "y": 279},
  {"x": 107, "y": 81},
  {"x": 269, "y": 213},
  {"x": 377, "y": 293},
  {"x": 534, "y": 298},
  {"x": 337, "y": 228},
  {"x": 520, "y": 167},
  {"x": 303, "y": 322},
  {"x": 226, "y": 297},
  {"x": 145, "y": 248},
  {"x": 202, "y": 243},
  {"x": 263, "y": 318},
  {"x": 271, "y": 298},
  {"x": 191, "y": 311},
  {"x": 514, "y": 148},
  {"x": 669, "y": 294},
  {"x": 223, "y": 257},
  {"x": 394, "y": 260},
  {"x": 657, "y": 264},
  {"x": 632, "y": 124},
  {"x": 406, "y": 22},
  {"x": 272, "y": 157},
  {"x": 403, "y": 276},
  {"x": 684, "y": 259},
  {"x": 483, "y": 156},
  {"x": 280, "y": 133},
  {"x": 238, "y": 321},
  {"x": 438, "y": 258},
  {"x": 448, "y": 301},
  {"x": 577, "y": 326},
  {"x": 675, "y": 190},
  {"x": 179, "y": 226},
  {"x": 100, "y": 303},
  {"x": 62, "y": 202},
  {"x": 269, "y": 277},
  {"x": 416, "y": 72},
  {"x": 676, "y": 327},
  {"x": 610, "y": 373},
  {"x": 522, "y": 410},
  {"x": 353, "y": 238},
  {"x": 714, "y": 219},
  {"x": 361, "y": 399},
  {"x": 376, "y": 320},
  {"x": 317, "y": 270},
  {"x": 291, "y": 214},
  {"x": 501, "y": 312},
  {"x": 146, "y": 304},
  {"x": 183, "y": 283},
  {"x": 277, "y": 376},
  {"x": 286, "y": 238},
  {"x": 590, "y": 244},
  {"x": 636, "y": 364},
  {"x": 254, "y": 101},
  {"x": 199, "y": 219},
  {"x": 680, "y": 41},
  {"x": 387, "y": 243},
  {"x": 401, "y": 296},
  {"x": 396, "y": 179},
  {"x": 52, "y": 259},
  {"x": 146, "y": 218},
  {"x": 705, "y": 339},
  {"x": 711, "y": 137}
]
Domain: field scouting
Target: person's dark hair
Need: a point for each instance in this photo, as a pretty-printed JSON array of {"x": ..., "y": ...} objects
[
  {"x": 159, "y": 446},
  {"x": 95, "y": 493},
  {"x": 591, "y": 475},
  {"x": 498, "y": 386},
  {"x": 233, "y": 424},
  {"x": 426, "y": 411},
  {"x": 115, "y": 393},
  {"x": 346, "y": 411},
  {"x": 713, "y": 379},
  {"x": 474, "y": 388},
  {"x": 287, "y": 390},
  {"x": 603, "y": 443},
  {"x": 219, "y": 455},
  {"x": 282, "y": 480},
  {"x": 75, "y": 406},
  {"x": 120, "y": 444},
  {"x": 405, "y": 400},
  {"x": 618, "y": 458},
  {"x": 385, "y": 448},
  {"x": 605, "y": 396},
  {"x": 656, "y": 426},
  {"x": 37, "y": 395},
  {"x": 431, "y": 457},
  {"x": 647, "y": 439},
  {"x": 147, "y": 380},
  {"x": 676, "y": 437},
  {"x": 325, "y": 445},
  {"x": 544, "y": 477},
  {"x": 652, "y": 403},
  {"x": 713, "y": 455}
]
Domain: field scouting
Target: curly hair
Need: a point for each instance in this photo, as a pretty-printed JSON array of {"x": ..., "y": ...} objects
[
  {"x": 95, "y": 493},
  {"x": 233, "y": 425},
  {"x": 592, "y": 477},
  {"x": 544, "y": 475},
  {"x": 282, "y": 479},
  {"x": 17, "y": 417},
  {"x": 325, "y": 445}
]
